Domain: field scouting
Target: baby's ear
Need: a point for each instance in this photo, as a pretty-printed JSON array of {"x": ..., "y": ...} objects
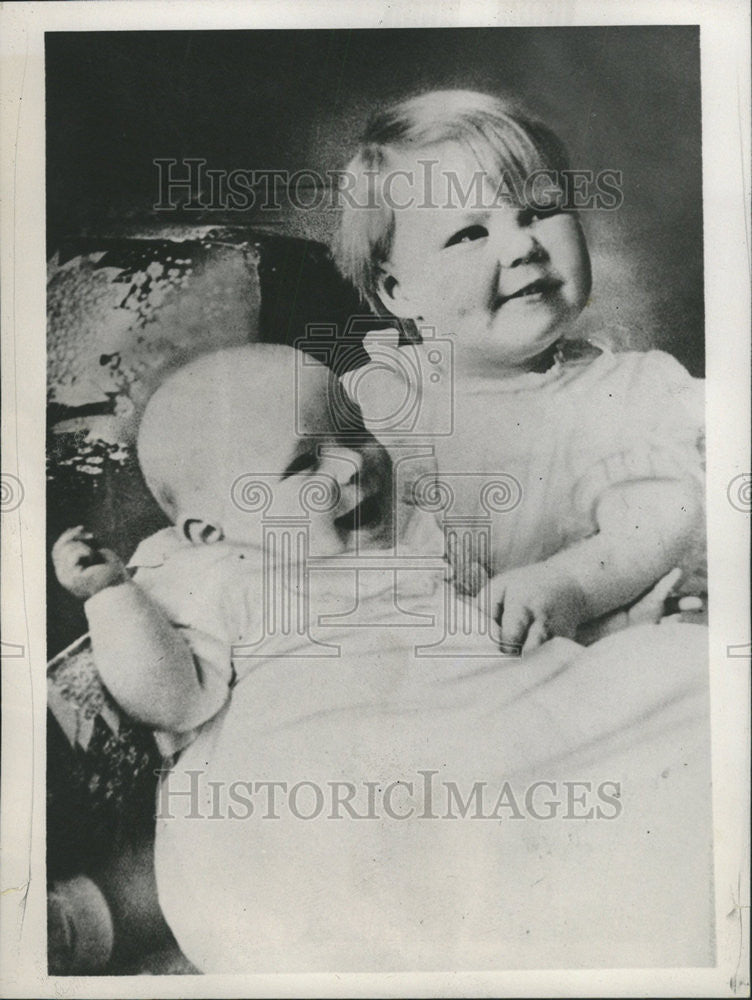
[
  {"x": 199, "y": 532},
  {"x": 392, "y": 296}
]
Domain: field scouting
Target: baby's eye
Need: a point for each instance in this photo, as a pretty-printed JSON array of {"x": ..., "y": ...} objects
[
  {"x": 467, "y": 235},
  {"x": 527, "y": 216},
  {"x": 302, "y": 463}
]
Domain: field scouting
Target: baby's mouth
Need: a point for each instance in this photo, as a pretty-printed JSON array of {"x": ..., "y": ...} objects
[
  {"x": 368, "y": 513},
  {"x": 544, "y": 286}
]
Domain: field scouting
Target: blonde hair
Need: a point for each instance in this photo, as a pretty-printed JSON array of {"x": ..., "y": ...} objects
[{"x": 505, "y": 142}]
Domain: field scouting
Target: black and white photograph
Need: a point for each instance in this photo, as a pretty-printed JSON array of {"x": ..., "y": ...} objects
[{"x": 379, "y": 537}]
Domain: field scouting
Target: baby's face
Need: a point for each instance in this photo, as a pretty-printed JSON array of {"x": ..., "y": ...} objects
[
  {"x": 339, "y": 492},
  {"x": 339, "y": 488},
  {"x": 500, "y": 281}
]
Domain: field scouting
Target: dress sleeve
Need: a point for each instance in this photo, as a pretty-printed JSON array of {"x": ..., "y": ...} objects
[
  {"x": 189, "y": 608},
  {"x": 652, "y": 427},
  {"x": 216, "y": 674},
  {"x": 162, "y": 683},
  {"x": 192, "y": 612},
  {"x": 647, "y": 420}
]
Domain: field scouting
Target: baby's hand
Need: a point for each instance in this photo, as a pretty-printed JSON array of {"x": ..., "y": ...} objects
[
  {"x": 534, "y": 603},
  {"x": 654, "y": 606},
  {"x": 82, "y": 567}
]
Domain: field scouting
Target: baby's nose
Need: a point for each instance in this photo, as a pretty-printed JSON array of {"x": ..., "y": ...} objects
[
  {"x": 342, "y": 464},
  {"x": 515, "y": 240}
]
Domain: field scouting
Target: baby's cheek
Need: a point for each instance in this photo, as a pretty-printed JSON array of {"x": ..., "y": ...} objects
[
  {"x": 569, "y": 252},
  {"x": 243, "y": 521},
  {"x": 460, "y": 293},
  {"x": 323, "y": 537}
]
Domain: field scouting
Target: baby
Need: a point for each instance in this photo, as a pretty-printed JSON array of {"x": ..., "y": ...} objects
[
  {"x": 459, "y": 218},
  {"x": 260, "y": 479},
  {"x": 267, "y": 707}
]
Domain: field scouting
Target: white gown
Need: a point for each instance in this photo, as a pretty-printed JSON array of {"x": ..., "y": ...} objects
[{"x": 612, "y": 741}]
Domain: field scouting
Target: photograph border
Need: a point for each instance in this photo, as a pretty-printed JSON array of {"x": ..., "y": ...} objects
[{"x": 725, "y": 69}]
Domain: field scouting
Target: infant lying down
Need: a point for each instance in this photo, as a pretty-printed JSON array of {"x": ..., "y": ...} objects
[{"x": 359, "y": 783}]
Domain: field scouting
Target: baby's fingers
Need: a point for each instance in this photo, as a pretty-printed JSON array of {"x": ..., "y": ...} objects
[
  {"x": 650, "y": 608},
  {"x": 515, "y": 622},
  {"x": 536, "y": 636},
  {"x": 662, "y": 590},
  {"x": 79, "y": 533},
  {"x": 82, "y": 554},
  {"x": 690, "y": 603},
  {"x": 85, "y": 570}
]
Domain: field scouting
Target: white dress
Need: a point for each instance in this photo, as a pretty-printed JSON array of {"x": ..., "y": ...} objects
[
  {"x": 381, "y": 695},
  {"x": 554, "y": 441}
]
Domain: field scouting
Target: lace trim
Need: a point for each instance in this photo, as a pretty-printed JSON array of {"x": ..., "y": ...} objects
[{"x": 567, "y": 353}]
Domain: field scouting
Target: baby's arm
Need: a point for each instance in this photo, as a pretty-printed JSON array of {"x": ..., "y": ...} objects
[
  {"x": 644, "y": 528},
  {"x": 144, "y": 662}
]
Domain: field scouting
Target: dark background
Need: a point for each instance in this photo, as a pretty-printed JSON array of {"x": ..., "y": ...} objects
[{"x": 624, "y": 98}]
